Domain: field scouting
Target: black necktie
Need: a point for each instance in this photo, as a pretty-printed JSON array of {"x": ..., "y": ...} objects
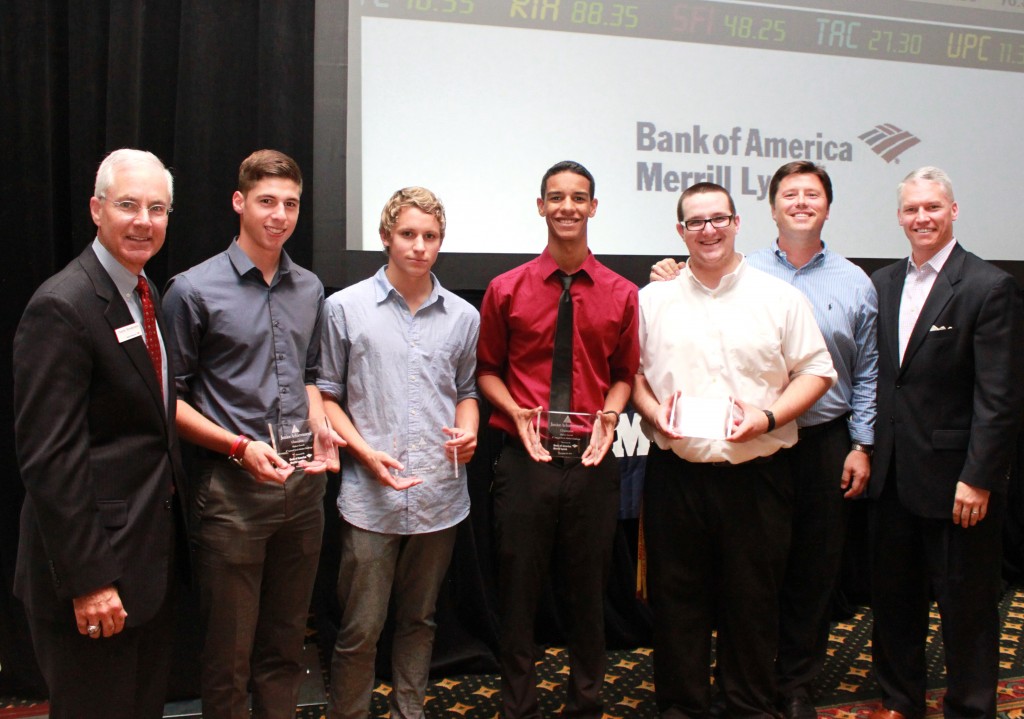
[{"x": 561, "y": 360}]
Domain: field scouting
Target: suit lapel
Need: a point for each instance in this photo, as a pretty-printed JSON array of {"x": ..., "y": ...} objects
[
  {"x": 893, "y": 293},
  {"x": 942, "y": 292},
  {"x": 117, "y": 316}
]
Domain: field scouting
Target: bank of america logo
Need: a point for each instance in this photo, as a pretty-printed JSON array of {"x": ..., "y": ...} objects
[{"x": 888, "y": 141}]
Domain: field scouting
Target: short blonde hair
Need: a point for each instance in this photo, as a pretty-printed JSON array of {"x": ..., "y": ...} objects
[{"x": 419, "y": 197}]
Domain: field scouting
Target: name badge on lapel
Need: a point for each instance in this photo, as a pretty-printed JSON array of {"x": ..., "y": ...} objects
[{"x": 128, "y": 332}]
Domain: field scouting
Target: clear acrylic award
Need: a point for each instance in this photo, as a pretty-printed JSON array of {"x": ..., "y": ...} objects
[
  {"x": 567, "y": 435},
  {"x": 304, "y": 444}
]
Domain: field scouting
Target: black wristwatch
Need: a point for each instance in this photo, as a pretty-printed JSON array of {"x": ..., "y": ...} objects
[
  {"x": 771, "y": 419},
  {"x": 868, "y": 449}
]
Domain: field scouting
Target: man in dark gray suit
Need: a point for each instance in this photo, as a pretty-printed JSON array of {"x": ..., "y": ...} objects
[
  {"x": 949, "y": 408},
  {"x": 98, "y": 452}
]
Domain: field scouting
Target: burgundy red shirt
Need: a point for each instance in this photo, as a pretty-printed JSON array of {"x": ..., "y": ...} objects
[{"x": 517, "y": 333}]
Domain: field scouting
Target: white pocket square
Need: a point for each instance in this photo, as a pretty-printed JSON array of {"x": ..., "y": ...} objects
[{"x": 936, "y": 328}]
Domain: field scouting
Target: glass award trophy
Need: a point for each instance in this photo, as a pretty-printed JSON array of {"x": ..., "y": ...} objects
[
  {"x": 303, "y": 444},
  {"x": 567, "y": 435}
]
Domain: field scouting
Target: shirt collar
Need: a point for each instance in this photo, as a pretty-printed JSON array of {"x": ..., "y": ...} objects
[
  {"x": 936, "y": 262},
  {"x": 548, "y": 267},
  {"x": 727, "y": 282},
  {"x": 382, "y": 288},
  {"x": 781, "y": 255},
  {"x": 124, "y": 280},
  {"x": 243, "y": 265}
]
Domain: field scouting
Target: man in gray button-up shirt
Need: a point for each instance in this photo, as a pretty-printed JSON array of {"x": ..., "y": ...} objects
[
  {"x": 397, "y": 376},
  {"x": 245, "y": 340}
]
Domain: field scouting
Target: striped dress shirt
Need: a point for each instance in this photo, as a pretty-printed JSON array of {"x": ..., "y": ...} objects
[{"x": 846, "y": 308}]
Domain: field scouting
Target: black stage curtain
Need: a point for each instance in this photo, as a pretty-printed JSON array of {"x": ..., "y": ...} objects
[{"x": 201, "y": 83}]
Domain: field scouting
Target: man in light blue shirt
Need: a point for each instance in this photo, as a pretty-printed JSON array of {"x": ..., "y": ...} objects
[
  {"x": 832, "y": 460},
  {"x": 397, "y": 378}
]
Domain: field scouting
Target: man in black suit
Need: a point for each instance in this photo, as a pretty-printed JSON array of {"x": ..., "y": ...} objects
[
  {"x": 98, "y": 452},
  {"x": 949, "y": 407}
]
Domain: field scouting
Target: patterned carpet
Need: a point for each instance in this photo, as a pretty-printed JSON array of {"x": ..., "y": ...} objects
[{"x": 845, "y": 689}]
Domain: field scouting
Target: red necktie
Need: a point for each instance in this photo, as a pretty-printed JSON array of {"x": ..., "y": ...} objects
[{"x": 149, "y": 325}]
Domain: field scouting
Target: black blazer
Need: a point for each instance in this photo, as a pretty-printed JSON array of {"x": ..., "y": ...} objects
[
  {"x": 97, "y": 449},
  {"x": 952, "y": 410}
]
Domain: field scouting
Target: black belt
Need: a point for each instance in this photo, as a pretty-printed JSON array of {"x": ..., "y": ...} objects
[
  {"x": 719, "y": 465},
  {"x": 513, "y": 441},
  {"x": 824, "y": 426},
  {"x": 756, "y": 460}
]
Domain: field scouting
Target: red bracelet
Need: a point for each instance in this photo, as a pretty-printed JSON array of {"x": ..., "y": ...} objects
[{"x": 238, "y": 447}]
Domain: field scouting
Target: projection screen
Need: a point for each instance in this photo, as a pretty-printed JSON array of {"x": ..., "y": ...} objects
[{"x": 475, "y": 99}]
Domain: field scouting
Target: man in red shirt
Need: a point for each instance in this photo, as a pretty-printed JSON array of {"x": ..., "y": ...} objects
[{"x": 555, "y": 507}]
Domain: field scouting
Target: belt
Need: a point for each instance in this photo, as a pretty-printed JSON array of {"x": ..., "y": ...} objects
[
  {"x": 513, "y": 441},
  {"x": 719, "y": 465},
  {"x": 824, "y": 426},
  {"x": 756, "y": 460}
]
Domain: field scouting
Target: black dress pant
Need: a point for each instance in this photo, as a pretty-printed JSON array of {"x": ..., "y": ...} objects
[
  {"x": 119, "y": 677},
  {"x": 913, "y": 560},
  {"x": 563, "y": 513},
  {"x": 815, "y": 555},
  {"x": 717, "y": 537}
]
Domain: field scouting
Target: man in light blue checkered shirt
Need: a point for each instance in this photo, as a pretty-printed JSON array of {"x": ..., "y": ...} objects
[{"x": 397, "y": 375}]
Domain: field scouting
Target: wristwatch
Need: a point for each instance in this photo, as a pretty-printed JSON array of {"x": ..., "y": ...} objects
[
  {"x": 868, "y": 449},
  {"x": 771, "y": 419}
]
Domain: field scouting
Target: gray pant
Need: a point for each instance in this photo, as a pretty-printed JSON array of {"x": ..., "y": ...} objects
[
  {"x": 373, "y": 566},
  {"x": 258, "y": 545}
]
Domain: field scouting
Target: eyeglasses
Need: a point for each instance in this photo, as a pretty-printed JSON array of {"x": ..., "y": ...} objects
[
  {"x": 130, "y": 208},
  {"x": 718, "y": 221}
]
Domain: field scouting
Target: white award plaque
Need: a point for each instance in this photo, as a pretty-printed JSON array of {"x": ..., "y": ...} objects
[{"x": 703, "y": 417}]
